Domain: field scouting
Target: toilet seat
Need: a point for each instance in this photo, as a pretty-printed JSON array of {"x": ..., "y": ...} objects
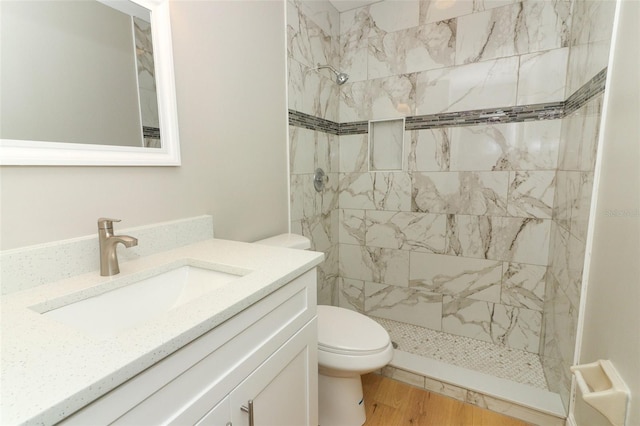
[{"x": 345, "y": 332}]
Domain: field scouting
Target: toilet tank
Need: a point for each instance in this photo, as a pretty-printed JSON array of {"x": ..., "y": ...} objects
[{"x": 294, "y": 241}]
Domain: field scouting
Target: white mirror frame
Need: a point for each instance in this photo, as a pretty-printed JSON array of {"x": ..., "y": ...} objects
[{"x": 36, "y": 153}]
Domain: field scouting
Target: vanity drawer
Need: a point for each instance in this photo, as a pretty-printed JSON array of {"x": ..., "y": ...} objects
[{"x": 210, "y": 366}]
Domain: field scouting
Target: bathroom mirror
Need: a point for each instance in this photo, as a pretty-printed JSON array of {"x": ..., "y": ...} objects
[{"x": 120, "y": 127}]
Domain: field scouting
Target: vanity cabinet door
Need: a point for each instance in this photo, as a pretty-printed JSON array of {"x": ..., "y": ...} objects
[{"x": 284, "y": 388}]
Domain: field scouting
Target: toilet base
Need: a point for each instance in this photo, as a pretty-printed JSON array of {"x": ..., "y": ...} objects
[{"x": 340, "y": 401}]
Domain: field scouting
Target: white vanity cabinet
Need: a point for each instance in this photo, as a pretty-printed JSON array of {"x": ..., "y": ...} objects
[
  {"x": 277, "y": 390},
  {"x": 267, "y": 353}
]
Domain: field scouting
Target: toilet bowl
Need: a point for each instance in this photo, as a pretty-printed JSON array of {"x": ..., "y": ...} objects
[{"x": 349, "y": 344}]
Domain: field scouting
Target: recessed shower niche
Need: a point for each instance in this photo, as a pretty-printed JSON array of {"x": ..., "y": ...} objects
[{"x": 386, "y": 144}]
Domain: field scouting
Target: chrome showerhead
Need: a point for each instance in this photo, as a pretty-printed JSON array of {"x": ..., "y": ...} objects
[{"x": 341, "y": 78}]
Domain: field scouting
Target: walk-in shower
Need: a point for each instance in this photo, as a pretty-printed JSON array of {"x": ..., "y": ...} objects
[{"x": 471, "y": 252}]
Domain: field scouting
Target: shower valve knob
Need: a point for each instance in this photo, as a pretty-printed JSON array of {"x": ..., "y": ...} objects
[{"x": 320, "y": 179}]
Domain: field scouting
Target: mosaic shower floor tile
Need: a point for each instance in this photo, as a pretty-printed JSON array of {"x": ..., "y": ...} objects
[{"x": 499, "y": 361}]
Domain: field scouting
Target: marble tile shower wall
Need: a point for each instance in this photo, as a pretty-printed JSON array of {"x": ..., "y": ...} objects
[
  {"x": 458, "y": 240},
  {"x": 312, "y": 39},
  {"x": 592, "y": 23}
]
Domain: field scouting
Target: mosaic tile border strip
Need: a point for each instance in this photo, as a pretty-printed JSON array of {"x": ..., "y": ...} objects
[
  {"x": 300, "y": 119},
  {"x": 590, "y": 89},
  {"x": 515, "y": 114},
  {"x": 354, "y": 128},
  {"x": 547, "y": 111}
]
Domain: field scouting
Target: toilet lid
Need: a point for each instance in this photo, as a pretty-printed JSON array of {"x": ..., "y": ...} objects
[{"x": 342, "y": 331}]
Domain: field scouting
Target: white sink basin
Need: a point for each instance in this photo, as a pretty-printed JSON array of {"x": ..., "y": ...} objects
[{"x": 114, "y": 311}]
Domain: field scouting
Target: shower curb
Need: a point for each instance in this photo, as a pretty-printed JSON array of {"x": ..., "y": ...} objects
[{"x": 503, "y": 396}]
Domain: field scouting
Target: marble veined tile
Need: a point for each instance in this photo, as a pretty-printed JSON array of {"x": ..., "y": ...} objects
[
  {"x": 355, "y": 101},
  {"x": 520, "y": 28},
  {"x": 376, "y": 191},
  {"x": 409, "y": 305},
  {"x": 328, "y": 277},
  {"x": 560, "y": 324},
  {"x": 322, "y": 157},
  {"x": 306, "y": 41},
  {"x": 302, "y": 150},
  {"x": 319, "y": 230},
  {"x": 373, "y": 264},
  {"x": 415, "y": 49},
  {"x": 302, "y": 197},
  {"x": 567, "y": 262},
  {"x": 473, "y": 86},
  {"x": 531, "y": 145},
  {"x": 467, "y": 317},
  {"x": 406, "y": 231},
  {"x": 456, "y": 276},
  {"x": 579, "y": 139},
  {"x": 487, "y": 35},
  {"x": 356, "y": 21},
  {"x": 524, "y": 240},
  {"x": 356, "y": 191},
  {"x": 295, "y": 84},
  {"x": 579, "y": 221},
  {"x": 558, "y": 254},
  {"x": 354, "y": 56},
  {"x": 352, "y": 227},
  {"x": 353, "y": 153},
  {"x": 566, "y": 188},
  {"x": 514, "y": 327},
  {"x": 428, "y": 150},
  {"x": 392, "y": 97},
  {"x": 572, "y": 203},
  {"x": 476, "y": 193},
  {"x": 531, "y": 193},
  {"x": 523, "y": 285},
  {"x": 591, "y": 29},
  {"x": 320, "y": 94},
  {"x": 322, "y": 14},
  {"x": 392, "y": 191},
  {"x": 351, "y": 294},
  {"x": 585, "y": 61},
  {"x": 393, "y": 16},
  {"x": 592, "y": 21},
  {"x": 517, "y": 327},
  {"x": 433, "y": 11},
  {"x": 482, "y": 5},
  {"x": 542, "y": 76}
]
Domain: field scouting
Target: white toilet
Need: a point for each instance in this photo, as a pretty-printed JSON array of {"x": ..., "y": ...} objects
[{"x": 349, "y": 345}]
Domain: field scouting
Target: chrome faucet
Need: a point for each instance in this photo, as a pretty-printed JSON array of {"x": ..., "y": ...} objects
[{"x": 108, "y": 241}]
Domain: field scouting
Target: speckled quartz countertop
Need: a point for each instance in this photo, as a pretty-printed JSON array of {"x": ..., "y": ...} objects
[{"x": 49, "y": 370}]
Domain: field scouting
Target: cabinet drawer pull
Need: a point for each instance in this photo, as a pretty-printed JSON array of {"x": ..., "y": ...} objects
[{"x": 249, "y": 410}]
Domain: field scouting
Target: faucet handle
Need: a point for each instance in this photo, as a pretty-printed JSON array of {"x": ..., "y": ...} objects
[{"x": 106, "y": 223}]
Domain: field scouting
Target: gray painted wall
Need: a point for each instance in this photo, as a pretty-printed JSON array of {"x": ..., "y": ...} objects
[{"x": 231, "y": 94}]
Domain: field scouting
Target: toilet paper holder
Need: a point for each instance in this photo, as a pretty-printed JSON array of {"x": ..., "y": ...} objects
[{"x": 603, "y": 389}]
